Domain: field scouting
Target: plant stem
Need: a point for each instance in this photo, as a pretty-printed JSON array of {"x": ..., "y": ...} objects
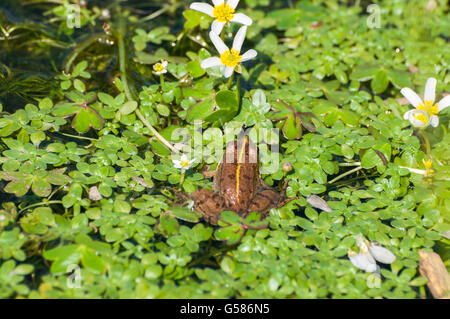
[
  {"x": 230, "y": 81},
  {"x": 345, "y": 174},
  {"x": 427, "y": 142},
  {"x": 350, "y": 164},
  {"x": 222, "y": 34},
  {"x": 41, "y": 204},
  {"x": 80, "y": 137},
  {"x": 123, "y": 71},
  {"x": 155, "y": 14},
  {"x": 161, "y": 79},
  {"x": 183, "y": 171},
  {"x": 80, "y": 48}
]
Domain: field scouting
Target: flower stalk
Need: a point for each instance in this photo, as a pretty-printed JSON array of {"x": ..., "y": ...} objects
[{"x": 123, "y": 76}]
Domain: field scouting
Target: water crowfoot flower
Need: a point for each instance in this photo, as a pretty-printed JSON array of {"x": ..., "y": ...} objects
[
  {"x": 426, "y": 111},
  {"x": 183, "y": 163},
  {"x": 160, "y": 68},
  {"x": 229, "y": 58},
  {"x": 223, "y": 12}
]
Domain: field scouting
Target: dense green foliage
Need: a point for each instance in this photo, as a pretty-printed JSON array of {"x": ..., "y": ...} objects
[{"x": 86, "y": 187}]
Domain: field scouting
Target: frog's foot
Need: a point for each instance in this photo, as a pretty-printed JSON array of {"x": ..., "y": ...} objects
[
  {"x": 284, "y": 200},
  {"x": 180, "y": 195},
  {"x": 209, "y": 204},
  {"x": 208, "y": 174}
]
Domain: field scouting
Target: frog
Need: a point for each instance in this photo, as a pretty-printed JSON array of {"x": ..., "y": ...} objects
[{"x": 238, "y": 186}]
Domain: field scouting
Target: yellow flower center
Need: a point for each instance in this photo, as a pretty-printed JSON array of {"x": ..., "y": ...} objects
[
  {"x": 421, "y": 117},
  {"x": 223, "y": 12},
  {"x": 429, "y": 107},
  {"x": 158, "y": 67},
  {"x": 184, "y": 163},
  {"x": 231, "y": 58}
]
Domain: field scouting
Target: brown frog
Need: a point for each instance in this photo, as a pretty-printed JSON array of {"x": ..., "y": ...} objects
[{"x": 238, "y": 186}]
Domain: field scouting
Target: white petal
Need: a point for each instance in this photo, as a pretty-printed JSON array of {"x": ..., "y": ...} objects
[
  {"x": 217, "y": 26},
  {"x": 417, "y": 123},
  {"x": 242, "y": 19},
  {"x": 203, "y": 7},
  {"x": 239, "y": 38},
  {"x": 411, "y": 96},
  {"x": 218, "y": 43},
  {"x": 430, "y": 90},
  {"x": 217, "y": 2},
  {"x": 164, "y": 64},
  {"x": 363, "y": 262},
  {"x": 434, "y": 121},
  {"x": 407, "y": 115},
  {"x": 250, "y": 54},
  {"x": 184, "y": 158},
  {"x": 210, "y": 62},
  {"x": 228, "y": 72},
  {"x": 445, "y": 102},
  {"x": 176, "y": 164},
  {"x": 233, "y": 3},
  {"x": 381, "y": 254}
]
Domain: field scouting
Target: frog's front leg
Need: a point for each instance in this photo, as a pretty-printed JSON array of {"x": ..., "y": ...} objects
[
  {"x": 209, "y": 204},
  {"x": 263, "y": 201},
  {"x": 267, "y": 199}
]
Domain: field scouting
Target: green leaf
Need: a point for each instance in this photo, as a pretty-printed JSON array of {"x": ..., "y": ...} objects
[
  {"x": 195, "y": 70},
  {"x": 185, "y": 214},
  {"x": 63, "y": 257},
  {"x": 379, "y": 82},
  {"x": 400, "y": 79},
  {"x": 364, "y": 72},
  {"x": 128, "y": 107}
]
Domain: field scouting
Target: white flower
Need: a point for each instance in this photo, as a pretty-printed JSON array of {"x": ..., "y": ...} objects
[
  {"x": 368, "y": 254},
  {"x": 160, "y": 68},
  {"x": 184, "y": 163},
  {"x": 223, "y": 12},
  {"x": 229, "y": 58},
  {"x": 426, "y": 111}
]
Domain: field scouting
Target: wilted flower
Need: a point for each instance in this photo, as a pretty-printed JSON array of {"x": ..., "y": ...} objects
[
  {"x": 160, "y": 68},
  {"x": 426, "y": 111},
  {"x": 317, "y": 202},
  {"x": 223, "y": 12},
  {"x": 230, "y": 58},
  {"x": 368, "y": 254},
  {"x": 184, "y": 163}
]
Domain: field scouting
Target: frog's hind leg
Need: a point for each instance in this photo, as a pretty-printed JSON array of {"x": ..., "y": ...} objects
[{"x": 209, "y": 204}]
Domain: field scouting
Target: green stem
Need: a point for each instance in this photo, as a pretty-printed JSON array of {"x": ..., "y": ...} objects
[
  {"x": 350, "y": 164},
  {"x": 222, "y": 34},
  {"x": 427, "y": 142},
  {"x": 155, "y": 14},
  {"x": 41, "y": 204},
  {"x": 183, "y": 171},
  {"x": 123, "y": 71},
  {"x": 161, "y": 79},
  {"x": 80, "y": 48},
  {"x": 230, "y": 81},
  {"x": 345, "y": 174},
  {"x": 79, "y": 137}
]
